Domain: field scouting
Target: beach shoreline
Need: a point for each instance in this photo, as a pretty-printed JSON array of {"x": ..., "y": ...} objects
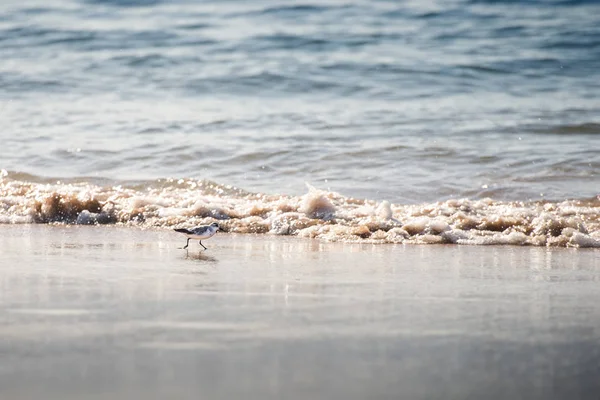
[{"x": 113, "y": 312}]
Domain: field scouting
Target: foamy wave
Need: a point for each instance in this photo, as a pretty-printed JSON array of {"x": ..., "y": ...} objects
[{"x": 318, "y": 214}]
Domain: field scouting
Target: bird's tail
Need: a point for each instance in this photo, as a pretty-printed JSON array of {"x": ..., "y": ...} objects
[{"x": 182, "y": 230}]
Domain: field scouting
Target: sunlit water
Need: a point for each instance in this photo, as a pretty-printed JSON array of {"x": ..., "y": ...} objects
[{"x": 408, "y": 102}]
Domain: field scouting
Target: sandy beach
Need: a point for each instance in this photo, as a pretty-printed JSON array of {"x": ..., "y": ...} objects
[
  {"x": 121, "y": 313},
  {"x": 407, "y": 194}
]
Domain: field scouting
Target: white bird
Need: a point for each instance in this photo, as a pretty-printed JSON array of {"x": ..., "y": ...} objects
[{"x": 200, "y": 233}]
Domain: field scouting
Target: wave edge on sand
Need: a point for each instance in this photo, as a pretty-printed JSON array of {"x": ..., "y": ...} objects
[{"x": 318, "y": 214}]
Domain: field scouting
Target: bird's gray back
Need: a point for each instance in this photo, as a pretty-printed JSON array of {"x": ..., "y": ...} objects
[{"x": 201, "y": 230}]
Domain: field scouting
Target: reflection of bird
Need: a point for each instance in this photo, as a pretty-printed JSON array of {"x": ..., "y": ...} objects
[
  {"x": 200, "y": 256},
  {"x": 200, "y": 233}
]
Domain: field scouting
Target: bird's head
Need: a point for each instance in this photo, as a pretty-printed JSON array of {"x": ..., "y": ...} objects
[{"x": 215, "y": 225}]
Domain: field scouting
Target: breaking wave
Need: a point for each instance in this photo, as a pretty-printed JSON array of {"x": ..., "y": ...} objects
[{"x": 318, "y": 214}]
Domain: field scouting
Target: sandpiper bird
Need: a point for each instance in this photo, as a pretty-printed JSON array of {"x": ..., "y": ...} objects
[{"x": 200, "y": 233}]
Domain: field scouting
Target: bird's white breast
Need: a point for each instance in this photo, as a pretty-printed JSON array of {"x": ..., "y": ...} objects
[{"x": 200, "y": 237}]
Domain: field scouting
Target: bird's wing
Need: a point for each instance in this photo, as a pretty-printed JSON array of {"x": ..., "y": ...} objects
[{"x": 200, "y": 230}]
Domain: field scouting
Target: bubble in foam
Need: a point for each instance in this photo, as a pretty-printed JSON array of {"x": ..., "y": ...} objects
[
  {"x": 384, "y": 210},
  {"x": 86, "y": 217},
  {"x": 455, "y": 235},
  {"x": 316, "y": 204},
  {"x": 290, "y": 223},
  {"x": 582, "y": 240},
  {"x": 426, "y": 225}
]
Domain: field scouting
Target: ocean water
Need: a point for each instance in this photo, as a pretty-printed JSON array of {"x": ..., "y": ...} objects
[{"x": 442, "y": 121}]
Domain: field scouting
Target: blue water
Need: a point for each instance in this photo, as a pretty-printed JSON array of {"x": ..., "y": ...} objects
[{"x": 405, "y": 101}]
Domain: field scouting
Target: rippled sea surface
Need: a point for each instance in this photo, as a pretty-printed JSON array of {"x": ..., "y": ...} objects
[{"x": 404, "y": 101}]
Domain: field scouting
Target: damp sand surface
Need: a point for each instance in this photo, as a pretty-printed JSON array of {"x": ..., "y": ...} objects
[{"x": 106, "y": 312}]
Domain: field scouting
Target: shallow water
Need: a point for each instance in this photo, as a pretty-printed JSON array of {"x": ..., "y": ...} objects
[
  {"x": 120, "y": 313},
  {"x": 412, "y": 103}
]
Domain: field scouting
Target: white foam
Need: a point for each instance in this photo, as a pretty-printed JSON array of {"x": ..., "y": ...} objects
[
  {"x": 316, "y": 204},
  {"x": 384, "y": 210},
  {"x": 583, "y": 240},
  {"x": 455, "y": 235},
  {"x": 16, "y": 219},
  {"x": 317, "y": 214},
  {"x": 416, "y": 226}
]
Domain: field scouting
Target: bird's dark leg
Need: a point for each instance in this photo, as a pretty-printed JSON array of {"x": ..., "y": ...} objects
[
  {"x": 200, "y": 241},
  {"x": 187, "y": 243}
]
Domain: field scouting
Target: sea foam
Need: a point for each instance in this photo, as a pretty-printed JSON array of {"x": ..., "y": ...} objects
[{"x": 318, "y": 214}]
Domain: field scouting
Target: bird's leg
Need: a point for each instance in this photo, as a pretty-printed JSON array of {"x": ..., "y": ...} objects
[
  {"x": 186, "y": 244},
  {"x": 200, "y": 241}
]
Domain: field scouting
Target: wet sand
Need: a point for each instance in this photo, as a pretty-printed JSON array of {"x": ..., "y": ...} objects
[{"x": 120, "y": 313}]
